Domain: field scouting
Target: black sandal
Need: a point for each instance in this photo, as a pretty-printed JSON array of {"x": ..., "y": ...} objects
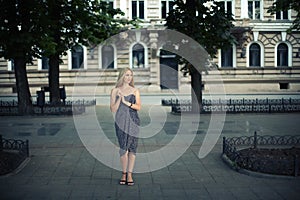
[
  {"x": 123, "y": 181},
  {"x": 130, "y": 183}
]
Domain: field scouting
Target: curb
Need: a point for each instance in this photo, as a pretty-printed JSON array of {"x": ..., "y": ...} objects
[
  {"x": 18, "y": 169},
  {"x": 236, "y": 168}
]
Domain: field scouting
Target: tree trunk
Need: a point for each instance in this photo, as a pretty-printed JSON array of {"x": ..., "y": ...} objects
[
  {"x": 196, "y": 83},
  {"x": 24, "y": 97},
  {"x": 191, "y": 4},
  {"x": 196, "y": 78},
  {"x": 53, "y": 79}
]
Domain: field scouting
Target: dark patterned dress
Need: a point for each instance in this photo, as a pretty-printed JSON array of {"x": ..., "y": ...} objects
[{"x": 127, "y": 124}]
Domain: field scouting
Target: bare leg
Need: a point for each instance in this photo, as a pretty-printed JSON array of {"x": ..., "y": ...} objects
[
  {"x": 131, "y": 161},
  {"x": 124, "y": 163}
]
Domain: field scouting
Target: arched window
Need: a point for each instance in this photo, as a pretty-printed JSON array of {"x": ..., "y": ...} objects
[
  {"x": 227, "y": 57},
  {"x": 138, "y": 56},
  {"x": 107, "y": 57},
  {"x": 254, "y": 55},
  {"x": 282, "y": 55},
  {"x": 77, "y": 57}
]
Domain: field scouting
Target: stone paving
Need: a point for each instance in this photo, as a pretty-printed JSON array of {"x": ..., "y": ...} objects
[{"x": 60, "y": 166}]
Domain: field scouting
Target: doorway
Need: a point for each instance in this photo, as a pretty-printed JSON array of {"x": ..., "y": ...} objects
[{"x": 168, "y": 70}]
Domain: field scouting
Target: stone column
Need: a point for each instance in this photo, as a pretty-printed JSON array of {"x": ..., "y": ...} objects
[
  {"x": 154, "y": 62},
  {"x": 244, "y": 9},
  {"x": 123, "y": 7}
]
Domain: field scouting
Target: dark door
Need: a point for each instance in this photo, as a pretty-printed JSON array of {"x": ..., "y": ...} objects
[{"x": 168, "y": 71}]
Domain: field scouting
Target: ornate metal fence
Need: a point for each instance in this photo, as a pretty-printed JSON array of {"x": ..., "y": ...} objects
[
  {"x": 19, "y": 147},
  {"x": 237, "y": 105},
  {"x": 243, "y": 151},
  {"x": 68, "y": 108}
]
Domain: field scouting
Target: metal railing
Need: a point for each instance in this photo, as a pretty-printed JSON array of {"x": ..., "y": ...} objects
[
  {"x": 19, "y": 147},
  {"x": 237, "y": 105},
  {"x": 242, "y": 152},
  {"x": 68, "y": 108}
]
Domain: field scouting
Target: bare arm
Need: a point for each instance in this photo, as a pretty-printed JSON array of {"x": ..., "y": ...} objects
[{"x": 114, "y": 103}]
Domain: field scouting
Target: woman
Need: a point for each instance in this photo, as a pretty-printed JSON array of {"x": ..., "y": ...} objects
[{"x": 125, "y": 102}]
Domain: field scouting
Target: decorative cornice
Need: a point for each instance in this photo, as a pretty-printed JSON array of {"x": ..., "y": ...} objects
[{"x": 269, "y": 26}]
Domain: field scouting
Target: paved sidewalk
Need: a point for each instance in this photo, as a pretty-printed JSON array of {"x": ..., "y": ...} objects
[{"x": 60, "y": 167}]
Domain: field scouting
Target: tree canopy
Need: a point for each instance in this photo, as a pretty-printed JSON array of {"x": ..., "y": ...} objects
[
  {"x": 67, "y": 23},
  {"x": 34, "y": 28},
  {"x": 19, "y": 31},
  {"x": 208, "y": 23},
  {"x": 285, "y": 5},
  {"x": 45, "y": 27}
]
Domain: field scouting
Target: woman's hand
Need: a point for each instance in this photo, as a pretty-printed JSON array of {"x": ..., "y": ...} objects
[
  {"x": 125, "y": 102},
  {"x": 119, "y": 93},
  {"x": 123, "y": 99}
]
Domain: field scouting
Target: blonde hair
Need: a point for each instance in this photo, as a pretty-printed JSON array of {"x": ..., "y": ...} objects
[{"x": 121, "y": 77}]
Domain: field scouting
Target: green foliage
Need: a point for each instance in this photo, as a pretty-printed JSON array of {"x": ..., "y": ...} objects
[
  {"x": 284, "y": 5},
  {"x": 209, "y": 26},
  {"x": 78, "y": 22},
  {"x": 18, "y": 29},
  {"x": 35, "y": 28}
]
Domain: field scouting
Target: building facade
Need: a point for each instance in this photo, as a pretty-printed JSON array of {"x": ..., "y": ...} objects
[{"x": 266, "y": 59}]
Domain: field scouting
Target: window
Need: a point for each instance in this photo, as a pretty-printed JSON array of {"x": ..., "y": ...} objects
[
  {"x": 284, "y": 86},
  {"x": 254, "y": 9},
  {"x": 137, "y": 9},
  {"x": 11, "y": 65},
  {"x": 227, "y": 57},
  {"x": 138, "y": 56},
  {"x": 282, "y": 15},
  {"x": 282, "y": 55},
  {"x": 77, "y": 57},
  {"x": 45, "y": 62},
  {"x": 107, "y": 57},
  {"x": 110, "y": 3},
  {"x": 254, "y": 55},
  {"x": 166, "y": 6},
  {"x": 227, "y": 6}
]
